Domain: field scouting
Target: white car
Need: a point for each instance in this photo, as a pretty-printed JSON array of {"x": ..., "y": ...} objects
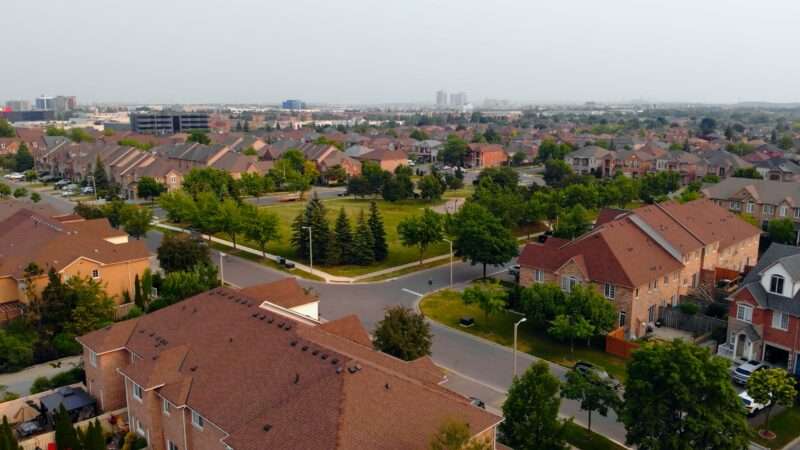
[
  {"x": 15, "y": 176},
  {"x": 750, "y": 405},
  {"x": 87, "y": 190}
]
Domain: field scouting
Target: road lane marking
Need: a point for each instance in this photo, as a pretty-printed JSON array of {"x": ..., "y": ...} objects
[{"x": 411, "y": 292}]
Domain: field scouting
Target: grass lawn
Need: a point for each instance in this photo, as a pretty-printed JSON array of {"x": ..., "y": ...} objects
[
  {"x": 446, "y": 307},
  {"x": 786, "y": 425},
  {"x": 417, "y": 267},
  {"x": 392, "y": 214},
  {"x": 587, "y": 440}
]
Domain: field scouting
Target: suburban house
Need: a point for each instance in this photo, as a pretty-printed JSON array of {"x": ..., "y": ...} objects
[
  {"x": 763, "y": 199},
  {"x": 427, "y": 150},
  {"x": 764, "y": 315},
  {"x": 32, "y": 243},
  {"x": 723, "y": 163},
  {"x": 485, "y": 155},
  {"x": 645, "y": 258},
  {"x": 386, "y": 159},
  {"x": 778, "y": 169},
  {"x": 591, "y": 159},
  {"x": 241, "y": 370}
]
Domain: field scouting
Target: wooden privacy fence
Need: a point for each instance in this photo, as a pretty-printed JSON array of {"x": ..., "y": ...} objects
[
  {"x": 697, "y": 324},
  {"x": 617, "y": 345}
]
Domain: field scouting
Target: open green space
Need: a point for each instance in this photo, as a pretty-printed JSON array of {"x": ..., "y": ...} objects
[
  {"x": 584, "y": 439},
  {"x": 447, "y": 308},
  {"x": 785, "y": 425},
  {"x": 392, "y": 214}
]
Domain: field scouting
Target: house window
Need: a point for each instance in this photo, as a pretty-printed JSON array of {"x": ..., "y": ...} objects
[
  {"x": 173, "y": 179},
  {"x": 636, "y": 293},
  {"x": 610, "y": 291},
  {"x": 750, "y": 207},
  {"x": 666, "y": 280},
  {"x": 780, "y": 321},
  {"x": 797, "y": 213},
  {"x": 138, "y": 393},
  {"x": 744, "y": 313},
  {"x": 538, "y": 276},
  {"x": 140, "y": 428},
  {"x": 93, "y": 358},
  {"x": 197, "y": 420},
  {"x": 95, "y": 274},
  {"x": 768, "y": 210},
  {"x": 651, "y": 313},
  {"x": 171, "y": 445},
  {"x": 567, "y": 283},
  {"x": 622, "y": 318},
  {"x": 782, "y": 211},
  {"x": 735, "y": 205},
  {"x": 776, "y": 284},
  {"x": 165, "y": 407}
]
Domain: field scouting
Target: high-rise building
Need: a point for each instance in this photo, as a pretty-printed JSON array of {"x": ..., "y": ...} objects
[
  {"x": 18, "y": 105},
  {"x": 168, "y": 122},
  {"x": 441, "y": 99},
  {"x": 458, "y": 99},
  {"x": 293, "y": 104},
  {"x": 44, "y": 102}
]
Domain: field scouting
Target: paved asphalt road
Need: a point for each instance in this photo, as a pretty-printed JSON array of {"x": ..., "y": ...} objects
[{"x": 477, "y": 367}]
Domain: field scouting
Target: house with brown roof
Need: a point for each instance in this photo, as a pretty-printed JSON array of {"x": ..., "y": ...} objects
[
  {"x": 228, "y": 370},
  {"x": 388, "y": 160},
  {"x": 485, "y": 155},
  {"x": 30, "y": 240},
  {"x": 646, "y": 258}
]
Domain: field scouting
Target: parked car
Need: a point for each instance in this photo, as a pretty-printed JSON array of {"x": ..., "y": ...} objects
[
  {"x": 61, "y": 183},
  {"x": 743, "y": 373},
  {"x": 475, "y": 401},
  {"x": 750, "y": 405},
  {"x": 48, "y": 178},
  {"x": 15, "y": 176},
  {"x": 70, "y": 187},
  {"x": 514, "y": 270},
  {"x": 68, "y": 193},
  {"x": 87, "y": 190},
  {"x": 586, "y": 368}
]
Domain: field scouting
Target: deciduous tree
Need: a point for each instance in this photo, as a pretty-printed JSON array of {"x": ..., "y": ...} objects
[
  {"x": 490, "y": 297},
  {"x": 480, "y": 237},
  {"x": 404, "y": 334},
  {"x": 594, "y": 393},
  {"x": 261, "y": 227},
  {"x": 772, "y": 387},
  {"x": 531, "y": 411},
  {"x": 456, "y": 435},
  {"x": 421, "y": 231}
]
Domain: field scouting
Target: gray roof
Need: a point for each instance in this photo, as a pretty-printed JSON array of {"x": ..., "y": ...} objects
[
  {"x": 766, "y": 191},
  {"x": 782, "y": 164},
  {"x": 789, "y": 257},
  {"x": 72, "y": 399},
  {"x": 590, "y": 151},
  {"x": 721, "y": 158}
]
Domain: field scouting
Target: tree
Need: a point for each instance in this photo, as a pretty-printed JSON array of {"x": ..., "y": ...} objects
[
  {"x": 36, "y": 197},
  {"x": 20, "y": 192},
  {"x": 23, "y": 158},
  {"x": 707, "y": 126},
  {"x": 418, "y": 135},
  {"x": 556, "y": 171},
  {"x": 231, "y": 219},
  {"x": 206, "y": 217},
  {"x": 179, "y": 206},
  {"x": 209, "y": 179},
  {"x": 363, "y": 248},
  {"x": 771, "y": 387},
  {"x": 531, "y": 411},
  {"x": 178, "y": 286},
  {"x": 342, "y": 242},
  {"x": 93, "y": 438},
  {"x": 8, "y": 437},
  {"x": 430, "y": 187},
  {"x": 404, "y": 334},
  {"x": 381, "y": 247},
  {"x": 313, "y": 217},
  {"x": 455, "y": 435},
  {"x": 573, "y": 224},
  {"x": 748, "y": 172},
  {"x": 490, "y": 297},
  {"x": 542, "y": 302},
  {"x": 148, "y": 188},
  {"x": 80, "y": 135},
  {"x": 421, "y": 231},
  {"x": 93, "y": 309},
  {"x": 679, "y": 396},
  {"x": 5, "y": 190},
  {"x": 251, "y": 184},
  {"x": 101, "y": 181},
  {"x": 180, "y": 252},
  {"x": 454, "y": 150},
  {"x": 594, "y": 393},
  {"x": 66, "y": 436},
  {"x": 782, "y": 231},
  {"x": 565, "y": 327},
  {"x": 479, "y": 236},
  {"x": 198, "y": 136},
  {"x": 6, "y": 129},
  {"x": 138, "y": 300},
  {"x": 261, "y": 227},
  {"x": 518, "y": 158},
  {"x": 786, "y": 142},
  {"x": 136, "y": 220}
]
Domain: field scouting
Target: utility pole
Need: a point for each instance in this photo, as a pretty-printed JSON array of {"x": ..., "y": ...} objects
[{"x": 516, "y": 325}]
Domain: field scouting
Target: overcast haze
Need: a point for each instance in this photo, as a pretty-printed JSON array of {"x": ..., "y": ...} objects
[{"x": 360, "y": 51}]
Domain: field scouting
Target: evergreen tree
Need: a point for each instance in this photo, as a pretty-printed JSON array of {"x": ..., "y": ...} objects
[
  {"x": 340, "y": 252},
  {"x": 363, "y": 243},
  {"x": 101, "y": 181},
  {"x": 8, "y": 439},
  {"x": 314, "y": 217},
  {"x": 93, "y": 438},
  {"x": 381, "y": 248},
  {"x": 137, "y": 292},
  {"x": 66, "y": 436},
  {"x": 24, "y": 159}
]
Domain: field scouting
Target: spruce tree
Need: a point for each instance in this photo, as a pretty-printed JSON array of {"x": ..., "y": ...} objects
[
  {"x": 137, "y": 292},
  {"x": 342, "y": 240},
  {"x": 8, "y": 440},
  {"x": 66, "y": 436},
  {"x": 380, "y": 248},
  {"x": 101, "y": 181},
  {"x": 363, "y": 243},
  {"x": 314, "y": 216}
]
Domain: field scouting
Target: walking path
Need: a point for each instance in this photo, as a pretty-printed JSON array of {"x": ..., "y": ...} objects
[{"x": 21, "y": 382}]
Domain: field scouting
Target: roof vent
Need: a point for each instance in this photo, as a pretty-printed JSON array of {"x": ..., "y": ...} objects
[
  {"x": 254, "y": 315},
  {"x": 270, "y": 320},
  {"x": 193, "y": 368},
  {"x": 230, "y": 339},
  {"x": 267, "y": 427},
  {"x": 324, "y": 356},
  {"x": 386, "y": 386},
  {"x": 293, "y": 343},
  {"x": 339, "y": 369},
  {"x": 296, "y": 378},
  {"x": 288, "y": 327},
  {"x": 304, "y": 348}
]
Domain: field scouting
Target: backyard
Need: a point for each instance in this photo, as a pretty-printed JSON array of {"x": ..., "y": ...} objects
[{"x": 447, "y": 308}]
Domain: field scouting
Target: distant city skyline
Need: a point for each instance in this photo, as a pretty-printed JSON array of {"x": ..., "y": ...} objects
[{"x": 245, "y": 51}]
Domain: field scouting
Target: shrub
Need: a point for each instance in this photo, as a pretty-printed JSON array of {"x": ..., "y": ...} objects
[
  {"x": 133, "y": 313},
  {"x": 66, "y": 344},
  {"x": 718, "y": 310},
  {"x": 40, "y": 384},
  {"x": 689, "y": 308}
]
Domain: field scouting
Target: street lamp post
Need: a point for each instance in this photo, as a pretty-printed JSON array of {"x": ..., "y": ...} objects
[
  {"x": 221, "y": 269},
  {"x": 451, "y": 261},
  {"x": 310, "y": 250},
  {"x": 516, "y": 325}
]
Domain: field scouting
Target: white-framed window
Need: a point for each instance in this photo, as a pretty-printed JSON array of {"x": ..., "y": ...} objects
[
  {"x": 197, "y": 420},
  {"x": 95, "y": 274},
  {"x": 173, "y": 179},
  {"x": 776, "y": 284},
  {"x": 797, "y": 213},
  {"x": 736, "y": 205},
  {"x": 138, "y": 392},
  {"x": 140, "y": 428},
  {"x": 750, "y": 207},
  {"x": 622, "y": 318},
  {"x": 780, "y": 321},
  {"x": 171, "y": 445},
  {"x": 744, "y": 313},
  {"x": 610, "y": 291},
  {"x": 567, "y": 283},
  {"x": 767, "y": 210},
  {"x": 93, "y": 358},
  {"x": 782, "y": 211},
  {"x": 165, "y": 406},
  {"x": 538, "y": 276}
]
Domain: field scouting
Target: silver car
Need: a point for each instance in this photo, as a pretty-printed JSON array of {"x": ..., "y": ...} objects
[{"x": 743, "y": 373}]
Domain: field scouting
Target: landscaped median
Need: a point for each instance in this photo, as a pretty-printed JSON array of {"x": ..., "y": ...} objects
[
  {"x": 785, "y": 425},
  {"x": 446, "y": 307}
]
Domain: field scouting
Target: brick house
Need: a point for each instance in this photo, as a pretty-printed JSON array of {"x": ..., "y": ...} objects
[
  {"x": 764, "y": 315},
  {"x": 227, "y": 370},
  {"x": 645, "y": 258},
  {"x": 388, "y": 160},
  {"x": 480, "y": 156}
]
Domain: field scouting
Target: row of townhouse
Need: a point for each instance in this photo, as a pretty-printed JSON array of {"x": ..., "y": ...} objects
[
  {"x": 651, "y": 159},
  {"x": 254, "y": 369},
  {"x": 645, "y": 258},
  {"x": 765, "y": 200}
]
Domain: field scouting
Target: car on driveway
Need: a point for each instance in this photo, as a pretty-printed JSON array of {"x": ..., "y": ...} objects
[
  {"x": 750, "y": 405},
  {"x": 587, "y": 368},
  {"x": 87, "y": 190},
  {"x": 61, "y": 183},
  {"x": 514, "y": 270},
  {"x": 743, "y": 373},
  {"x": 15, "y": 176}
]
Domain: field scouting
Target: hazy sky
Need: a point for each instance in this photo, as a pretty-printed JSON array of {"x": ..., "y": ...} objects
[{"x": 372, "y": 51}]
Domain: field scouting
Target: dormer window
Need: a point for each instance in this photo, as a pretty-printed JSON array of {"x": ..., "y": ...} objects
[{"x": 776, "y": 284}]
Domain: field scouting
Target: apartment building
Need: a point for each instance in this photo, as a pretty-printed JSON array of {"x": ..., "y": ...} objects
[
  {"x": 228, "y": 370},
  {"x": 645, "y": 258},
  {"x": 168, "y": 122}
]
